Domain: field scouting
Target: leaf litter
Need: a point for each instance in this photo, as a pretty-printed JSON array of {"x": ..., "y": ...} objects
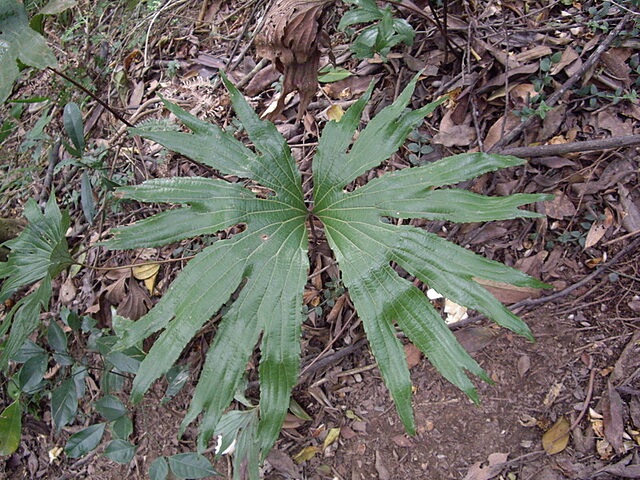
[{"x": 587, "y": 181}]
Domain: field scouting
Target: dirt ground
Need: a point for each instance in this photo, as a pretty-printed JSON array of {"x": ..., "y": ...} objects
[
  {"x": 580, "y": 349},
  {"x": 577, "y": 388}
]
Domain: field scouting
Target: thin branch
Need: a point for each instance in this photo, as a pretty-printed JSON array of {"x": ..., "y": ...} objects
[
  {"x": 572, "y": 147},
  {"x": 92, "y": 95}
]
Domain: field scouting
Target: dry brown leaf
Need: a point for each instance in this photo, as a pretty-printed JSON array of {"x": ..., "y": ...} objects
[
  {"x": 568, "y": 57},
  {"x": 402, "y": 441},
  {"x": 616, "y": 61},
  {"x": 413, "y": 354},
  {"x": 456, "y": 136},
  {"x": 262, "y": 81},
  {"x": 290, "y": 39},
  {"x": 495, "y": 465},
  {"x": 383, "y": 472},
  {"x": 474, "y": 339},
  {"x": 552, "y": 394},
  {"x": 612, "y": 418},
  {"x": 524, "y": 364},
  {"x": 283, "y": 464},
  {"x": 623, "y": 468},
  {"x": 136, "y": 303},
  {"x": 628, "y": 362},
  {"x": 453, "y": 132},
  {"x": 67, "y": 292},
  {"x": 503, "y": 124},
  {"x": 556, "y": 438},
  {"x": 508, "y": 293},
  {"x": 348, "y": 87},
  {"x": 630, "y": 209},
  {"x": 291, "y": 422},
  {"x": 598, "y": 229},
  {"x": 534, "y": 53},
  {"x": 618, "y": 126},
  {"x": 558, "y": 208}
]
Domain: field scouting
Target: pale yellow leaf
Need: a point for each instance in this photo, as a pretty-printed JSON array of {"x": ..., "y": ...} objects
[
  {"x": 307, "y": 453},
  {"x": 150, "y": 283},
  {"x": 332, "y": 436},
  {"x": 335, "y": 113},
  {"x": 145, "y": 270}
]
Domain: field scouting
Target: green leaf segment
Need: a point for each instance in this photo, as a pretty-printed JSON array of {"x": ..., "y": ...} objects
[
  {"x": 261, "y": 272},
  {"x": 38, "y": 255},
  {"x": 18, "y": 42}
]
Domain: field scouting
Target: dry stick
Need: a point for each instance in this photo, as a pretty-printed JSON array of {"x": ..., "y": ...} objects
[
  {"x": 92, "y": 95},
  {"x": 572, "y": 147},
  {"x": 553, "y": 99}
]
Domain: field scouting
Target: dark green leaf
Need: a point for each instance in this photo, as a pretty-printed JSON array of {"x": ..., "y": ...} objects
[
  {"x": 120, "y": 451},
  {"x": 79, "y": 373},
  {"x": 28, "y": 350},
  {"x": 40, "y": 252},
  {"x": 333, "y": 75},
  {"x": 240, "y": 428},
  {"x": 112, "y": 381},
  {"x": 123, "y": 362},
  {"x": 19, "y": 43},
  {"x": 32, "y": 372},
  {"x": 177, "y": 376},
  {"x": 86, "y": 198},
  {"x": 71, "y": 318},
  {"x": 10, "y": 428},
  {"x": 57, "y": 6},
  {"x": 84, "y": 441},
  {"x": 191, "y": 465},
  {"x": 122, "y": 428},
  {"x": 159, "y": 469},
  {"x": 24, "y": 318},
  {"x": 64, "y": 403},
  {"x": 110, "y": 407},
  {"x": 56, "y": 337},
  {"x": 6, "y": 129},
  {"x": 73, "y": 125}
]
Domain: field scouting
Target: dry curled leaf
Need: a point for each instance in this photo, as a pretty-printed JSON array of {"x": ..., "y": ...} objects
[{"x": 290, "y": 39}]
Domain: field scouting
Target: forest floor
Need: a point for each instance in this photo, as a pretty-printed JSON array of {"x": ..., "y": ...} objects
[{"x": 580, "y": 378}]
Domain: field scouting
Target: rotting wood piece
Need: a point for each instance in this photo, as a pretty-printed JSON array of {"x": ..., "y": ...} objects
[{"x": 291, "y": 40}]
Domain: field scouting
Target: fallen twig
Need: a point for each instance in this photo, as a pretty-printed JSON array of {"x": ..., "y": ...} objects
[{"x": 572, "y": 147}]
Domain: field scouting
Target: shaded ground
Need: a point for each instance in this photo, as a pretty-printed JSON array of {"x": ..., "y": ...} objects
[{"x": 587, "y": 355}]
